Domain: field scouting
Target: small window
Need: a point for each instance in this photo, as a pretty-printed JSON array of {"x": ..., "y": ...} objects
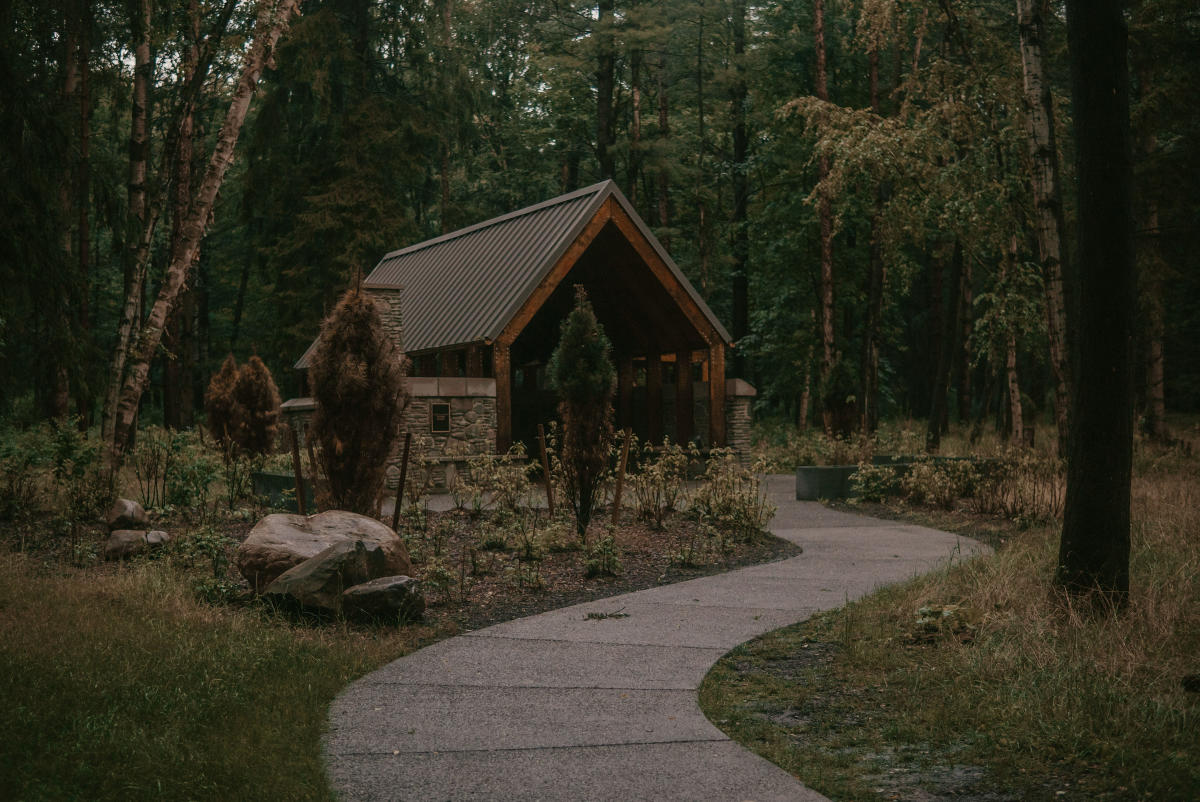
[{"x": 440, "y": 415}]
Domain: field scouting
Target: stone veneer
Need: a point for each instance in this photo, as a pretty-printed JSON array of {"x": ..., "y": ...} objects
[{"x": 472, "y": 432}]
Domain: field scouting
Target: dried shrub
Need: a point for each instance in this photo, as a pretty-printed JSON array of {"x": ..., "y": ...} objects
[
  {"x": 357, "y": 376},
  {"x": 257, "y": 398},
  {"x": 220, "y": 402},
  {"x": 581, "y": 371}
]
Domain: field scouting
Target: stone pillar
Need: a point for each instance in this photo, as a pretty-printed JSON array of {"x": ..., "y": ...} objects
[
  {"x": 388, "y": 300},
  {"x": 739, "y": 400}
]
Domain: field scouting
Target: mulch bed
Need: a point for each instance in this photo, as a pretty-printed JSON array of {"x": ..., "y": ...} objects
[
  {"x": 467, "y": 585},
  {"x": 488, "y": 586}
]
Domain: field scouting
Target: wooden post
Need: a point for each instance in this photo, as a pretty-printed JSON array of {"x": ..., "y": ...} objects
[
  {"x": 400, "y": 486},
  {"x": 654, "y": 401},
  {"x": 312, "y": 461},
  {"x": 716, "y": 395},
  {"x": 684, "y": 408},
  {"x": 625, "y": 393},
  {"x": 616, "y": 508},
  {"x": 449, "y": 363},
  {"x": 502, "y": 370},
  {"x": 474, "y": 362},
  {"x": 299, "y": 473},
  {"x": 546, "y": 470}
]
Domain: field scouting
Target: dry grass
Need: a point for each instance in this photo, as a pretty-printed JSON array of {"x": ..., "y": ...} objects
[{"x": 1000, "y": 685}]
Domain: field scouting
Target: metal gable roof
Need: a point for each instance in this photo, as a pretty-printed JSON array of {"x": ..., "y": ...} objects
[{"x": 465, "y": 287}]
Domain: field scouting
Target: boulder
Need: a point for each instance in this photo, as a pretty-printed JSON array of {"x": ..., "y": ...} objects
[
  {"x": 389, "y": 598},
  {"x": 318, "y": 582},
  {"x": 126, "y": 514},
  {"x": 283, "y": 540},
  {"x": 125, "y": 543}
]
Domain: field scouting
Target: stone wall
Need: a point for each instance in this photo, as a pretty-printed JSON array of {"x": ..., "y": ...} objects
[
  {"x": 739, "y": 401},
  {"x": 472, "y": 425}
]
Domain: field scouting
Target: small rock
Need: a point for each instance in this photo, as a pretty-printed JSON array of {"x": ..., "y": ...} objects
[
  {"x": 389, "y": 598},
  {"x": 124, "y": 543},
  {"x": 318, "y": 582},
  {"x": 157, "y": 538},
  {"x": 126, "y": 514}
]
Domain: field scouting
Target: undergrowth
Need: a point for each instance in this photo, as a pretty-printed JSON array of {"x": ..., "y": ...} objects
[{"x": 984, "y": 671}]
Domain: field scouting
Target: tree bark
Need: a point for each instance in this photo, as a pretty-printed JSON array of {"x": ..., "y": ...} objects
[
  {"x": 966, "y": 303},
  {"x": 178, "y": 365},
  {"x": 605, "y": 81},
  {"x": 664, "y": 136},
  {"x": 741, "y": 234},
  {"x": 1047, "y": 196},
  {"x": 1153, "y": 269},
  {"x": 876, "y": 277},
  {"x": 82, "y": 194},
  {"x": 270, "y": 24},
  {"x": 136, "y": 245},
  {"x": 1094, "y": 551},
  {"x": 825, "y": 215},
  {"x": 939, "y": 401}
]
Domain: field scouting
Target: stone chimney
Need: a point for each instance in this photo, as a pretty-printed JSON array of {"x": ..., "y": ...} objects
[{"x": 388, "y": 298}]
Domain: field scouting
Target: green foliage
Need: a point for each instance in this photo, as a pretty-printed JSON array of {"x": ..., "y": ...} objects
[
  {"x": 357, "y": 378},
  {"x": 658, "y": 485},
  {"x": 730, "y": 498},
  {"x": 603, "y": 558},
  {"x": 582, "y": 374},
  {"x": 84, "y": 488},
  {"x": 873, "y": 482},
  {"x": 24, "y": 458},
  {"x": 938, "y": 482}
]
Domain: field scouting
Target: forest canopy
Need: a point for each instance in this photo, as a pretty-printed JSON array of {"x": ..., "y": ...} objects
[{"x": 858, "y": 189}]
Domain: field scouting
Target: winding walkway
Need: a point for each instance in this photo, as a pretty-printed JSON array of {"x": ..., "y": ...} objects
[{"x": 560, "y": 706}]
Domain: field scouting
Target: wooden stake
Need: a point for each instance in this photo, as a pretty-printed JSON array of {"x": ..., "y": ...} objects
[
  {"x": 616, "y": 510},
  {"x": 301, "y": 504},
  {"x": 403, "y": 477},
  {"x": 312, "y": 461},
  {"x": 546, "y": 470}
]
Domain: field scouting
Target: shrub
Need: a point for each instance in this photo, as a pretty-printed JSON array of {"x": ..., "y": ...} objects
[
  {"x": 357, "y": 377},
  {"x": 603, "y": 559},
  {"x": 730, "y": 497},
  {"x": 257, "y": 400},
  {"x": 658, "y": 486},
  {"x": 938, "y": 483},
  {"x": 23, "y": 458},
  {"x": 582, "y": 373},
  {"x": 220, "y": 402},
  {"x": 873, "y": 482}
]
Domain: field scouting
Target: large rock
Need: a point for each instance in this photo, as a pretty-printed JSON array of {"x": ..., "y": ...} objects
[
  {"x": 389, "y": 598},
  {"x": 282, "y": 541},
  {"x": 126, "y": 514},
  {"x": 318, "y": 582},
  {"x": 125, "y": 543}
]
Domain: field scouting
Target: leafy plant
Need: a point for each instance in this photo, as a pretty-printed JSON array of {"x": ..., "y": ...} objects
[
  {"x": 874, "y": 482},
  {"x": 603, "y": 558},
  {"x": 23, "y": 458},
  {"x": 730, "y": 497},
  {"x": 658, "y": 487}
]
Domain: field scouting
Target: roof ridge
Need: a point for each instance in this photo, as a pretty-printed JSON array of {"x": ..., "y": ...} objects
[{"x": 594, "y": 189}]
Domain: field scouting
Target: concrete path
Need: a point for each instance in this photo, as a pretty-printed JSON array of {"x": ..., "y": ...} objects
[{"x": 560, "y": 706}]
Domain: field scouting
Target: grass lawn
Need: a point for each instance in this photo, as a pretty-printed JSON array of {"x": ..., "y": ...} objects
[
  {"x": 982, "y": 682},
  {"x": 123, "y": 686}
]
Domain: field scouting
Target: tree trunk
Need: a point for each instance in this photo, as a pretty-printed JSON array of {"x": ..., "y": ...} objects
[
  {"x": 1047, "y": 195},
  {"x": 268, "y": 28},
  {"x": 59, "y": 398},
  {"x": 1153, "y": 270},
  {"x": 938, "y": 407},
  {"x": 605, "y": 81},
  {"x": 702, "y": 222},
  {"x": 741, "y": 234},
  {"x": 825, "y": 213},
  {"x": 1094, "y": 551},
  {"x": 966, "y": 304},
  {"x": 876, "y": 276},
  {"x": 664, "y": 136},
  {"x": 83, "y": 193},
  {"x": 178, "y": 365},
  {"x": 132, "y": 254}
]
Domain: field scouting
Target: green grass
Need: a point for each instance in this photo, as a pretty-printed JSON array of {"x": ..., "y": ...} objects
[
  {"x": 123, "y": 686},
  {"x": 1014, "y": 692}
]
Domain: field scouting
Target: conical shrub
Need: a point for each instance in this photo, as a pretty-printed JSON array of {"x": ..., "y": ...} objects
[
  {"x": 582, "y": 373},
  {"x": 258, "y": 417},
  {"x": 220, "y": 403},
  {"x": 357, "y": 378}
]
